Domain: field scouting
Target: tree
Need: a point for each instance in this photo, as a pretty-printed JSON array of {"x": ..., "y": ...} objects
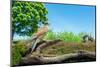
[{"x": 26, "y": 16}]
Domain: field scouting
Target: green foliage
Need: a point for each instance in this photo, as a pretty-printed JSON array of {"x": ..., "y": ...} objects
[
  {"x": 65, "y": 36},
  {"x": 18, "y": 51},
  {"x": 26, "y": 16}
]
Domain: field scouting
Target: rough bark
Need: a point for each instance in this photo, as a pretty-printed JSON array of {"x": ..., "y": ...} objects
[{"x": 40, "y": 59}]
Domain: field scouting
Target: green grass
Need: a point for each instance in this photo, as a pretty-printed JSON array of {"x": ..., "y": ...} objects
[{"x": 65, "y": 36}]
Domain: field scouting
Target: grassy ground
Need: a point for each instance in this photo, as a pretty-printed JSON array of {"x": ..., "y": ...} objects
[{"x": 68, "y": 47}]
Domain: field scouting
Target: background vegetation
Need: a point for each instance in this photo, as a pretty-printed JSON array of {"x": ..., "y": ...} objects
[{"x": 65, "y": 36}]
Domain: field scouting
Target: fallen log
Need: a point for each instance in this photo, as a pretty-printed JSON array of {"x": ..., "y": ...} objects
[{"x": 40, "y": 59}]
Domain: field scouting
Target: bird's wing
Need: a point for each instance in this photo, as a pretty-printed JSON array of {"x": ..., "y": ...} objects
[{"x": 41, "y": 31}]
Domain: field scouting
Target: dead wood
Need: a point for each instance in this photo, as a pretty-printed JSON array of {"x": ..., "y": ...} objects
[{"x": 40, "y": 59}]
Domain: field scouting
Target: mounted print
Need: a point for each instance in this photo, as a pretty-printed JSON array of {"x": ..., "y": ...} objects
[{"x": 52, "y": 33}]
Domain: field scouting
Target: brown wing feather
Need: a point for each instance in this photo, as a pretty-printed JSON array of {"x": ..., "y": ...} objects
[{"x": 41, "y": 31}]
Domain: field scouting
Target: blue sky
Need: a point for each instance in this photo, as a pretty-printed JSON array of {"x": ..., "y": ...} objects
[{"x": 71, "y": 18}]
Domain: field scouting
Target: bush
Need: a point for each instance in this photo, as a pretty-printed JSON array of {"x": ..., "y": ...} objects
[{"x": 18, "y": 51}]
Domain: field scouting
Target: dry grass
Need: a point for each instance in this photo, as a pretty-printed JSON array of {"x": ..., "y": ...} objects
[{"x": 68, "y": 47}]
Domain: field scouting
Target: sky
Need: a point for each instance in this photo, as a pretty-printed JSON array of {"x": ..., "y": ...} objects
[{"x": 70, "y": 18}]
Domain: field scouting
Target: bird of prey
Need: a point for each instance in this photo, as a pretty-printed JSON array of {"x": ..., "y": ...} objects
[{"x": 37, "y": 37}]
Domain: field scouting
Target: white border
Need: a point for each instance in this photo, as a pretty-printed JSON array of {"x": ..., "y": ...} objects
[{"x": 5, "y": 33}]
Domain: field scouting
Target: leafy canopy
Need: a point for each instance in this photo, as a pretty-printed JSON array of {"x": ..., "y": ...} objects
[{"x": 26, "y": 16}]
